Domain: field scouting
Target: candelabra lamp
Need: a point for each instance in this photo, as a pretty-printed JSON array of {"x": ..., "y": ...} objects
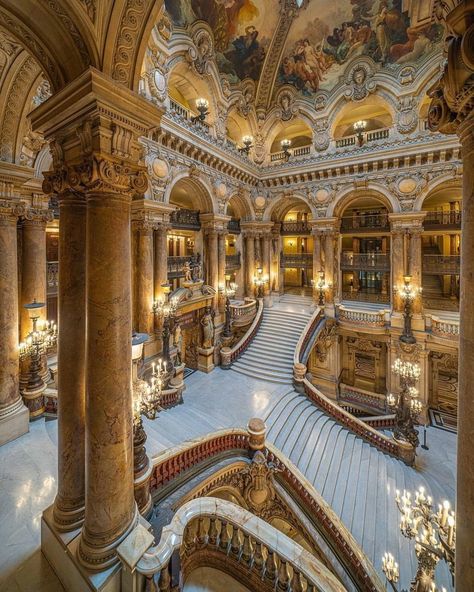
[
  {"x": 434, "y": 533},
  {"x": 228, "y": 291},
  {"x": 202, "y": 106},
  {"x": 247, "y": 145},
  {"x": 42, "y": 338},
  {"x": 259, "y": 280},
  {"x": 408, "y": 294},
  {"x": 285, "y": 146},
  {"x": 321, "y": 286},
  {"x": 165, "y": 308},
  {"x": 359, "y": 128},
  {"x": 406, "y": 405}
]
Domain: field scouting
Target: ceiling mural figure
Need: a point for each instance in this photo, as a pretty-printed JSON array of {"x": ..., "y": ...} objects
[
  {"x": 242, "y": 31},
  {"x": 328, "y": 35}
]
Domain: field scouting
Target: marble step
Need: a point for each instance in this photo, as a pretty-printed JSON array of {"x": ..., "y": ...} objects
[
  {"x": 285, "y": 360},
  {"x": 262, "y": 376},
  {"x": 288, "y": 332},
  {"x": 289, "y": 324},
  {"x": 277, "y": 371},
  {"x": 272, "y": 345}
]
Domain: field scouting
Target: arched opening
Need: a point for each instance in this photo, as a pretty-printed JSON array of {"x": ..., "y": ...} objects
[
  {"x": 296, "y": 246},
  {"x": 368, "y": 121},
  {"x": 237, "y": 128},
  {"x": 184, "y": 90},
  {"x": 297, "y": 131},
  {"x": 365, "y": 250},
  {"x": 185, "y": 239},
  {"x": 441, "y": 248}
]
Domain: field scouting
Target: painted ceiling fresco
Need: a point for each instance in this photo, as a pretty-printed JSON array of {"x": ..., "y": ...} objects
[
  {"x": 242, "y": 31},
  {"x": 324, "y": 36},
  {"x": 327, "y": 35}
]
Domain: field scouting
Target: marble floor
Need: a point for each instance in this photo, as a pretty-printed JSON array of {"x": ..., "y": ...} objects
[{"x": 28, "y": 472}]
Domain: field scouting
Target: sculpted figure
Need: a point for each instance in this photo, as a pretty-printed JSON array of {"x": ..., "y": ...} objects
[
  {"x": 178, "y": 343},
  {"x": 207, "y": 324},
  {"x": 187, "y": 271}
]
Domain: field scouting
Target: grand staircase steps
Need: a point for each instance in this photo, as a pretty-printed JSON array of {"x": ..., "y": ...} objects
[{"x": 355, "y": 478}]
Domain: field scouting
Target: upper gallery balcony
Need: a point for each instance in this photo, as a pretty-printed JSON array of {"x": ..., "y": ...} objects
[
  {"x": 233, "y": 226},
  {"x": 186, "y": 219},
  {"x": 295, "y": 227},
  {"x": 441, "y": 264},
  {"x": 365, "y": 261},
  {"x": 296, "y": 260},
  {"x": 369, "y": 221},
  {"x": 443, "y": 220}
]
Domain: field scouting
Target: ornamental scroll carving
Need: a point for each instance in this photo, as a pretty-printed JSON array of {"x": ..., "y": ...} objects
[
  {"x": 325, "y": 340},
  {"x": 201, "y": 55}
]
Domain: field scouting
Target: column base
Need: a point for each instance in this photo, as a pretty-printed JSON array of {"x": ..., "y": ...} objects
[
  {"x": 61, "y": 549},
  {"x": 34, "y": 401},
  {"x": 206, "y": 359},
  {"x": 14, "y": 422}
]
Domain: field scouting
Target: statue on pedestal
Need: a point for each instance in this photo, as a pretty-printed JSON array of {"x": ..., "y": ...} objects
[
  {"x": 187, "y": 272},
  {"x": 196, "y": 266},
  {"x": 178, "y": 344},
  {"x": 207, "y": 324}
]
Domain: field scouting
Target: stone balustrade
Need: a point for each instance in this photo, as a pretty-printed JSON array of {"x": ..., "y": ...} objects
[
  {"x": 447, "y": 328},
  {"x": 369, "y": 318},
  {"x": 230, "y": 354},
  {"x": 52, "y": 276},
  {"x": 185, "y": 459},
  {"x": 249, "y": 308},
  {"x": 366, "y": 400},
  {"x": 218, "y": 527}
]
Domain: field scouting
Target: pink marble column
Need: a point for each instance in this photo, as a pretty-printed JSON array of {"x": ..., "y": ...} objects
[
  {"x": 143, "y": 273},
  {"x": 33, "y": 266},
  {"x": 160, "y": 259},
  {"x": 14, "y": 416},
  {"x": 213, "y": 260},
  {"x": 221, "y": 257},
  {"x": 416, "y": 266},
  {"x": 266, "y": 261},
  {"x": 70, "y": 500},
  {"x": 110, "y": 506},
  {"x": 249, "y": 264},
  {"x": 398, "y": 270}
]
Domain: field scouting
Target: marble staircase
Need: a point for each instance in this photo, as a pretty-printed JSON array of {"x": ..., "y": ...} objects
[
  {"x": 270, "y": 355},
  {"x": 356, "y": 479}
]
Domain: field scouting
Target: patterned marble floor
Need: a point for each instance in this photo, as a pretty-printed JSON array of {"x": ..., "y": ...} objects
[{"x": 28, "y": 472}]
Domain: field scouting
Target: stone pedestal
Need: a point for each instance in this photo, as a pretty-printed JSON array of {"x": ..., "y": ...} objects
[
  {"x": 206, "y": 359},
  {"x": 225, "y": 358}
]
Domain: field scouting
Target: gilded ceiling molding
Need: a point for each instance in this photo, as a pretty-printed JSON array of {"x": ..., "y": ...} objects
[
  {"x": 26, "y": 38},
  {"x": 19, "y": 90},
  {"x": 90, "y": 6},
  {"x": 72, "y": 30}
]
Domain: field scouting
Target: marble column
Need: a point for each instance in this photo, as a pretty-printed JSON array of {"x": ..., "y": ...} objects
[
  {"x": 275, "y": 286},
  {"x": 213, "y": 262},
  {"x": 317, "y": 263},
  {"x": 143, "y": 274},
  {"x": 416, "y": 266},
  {"x": 33, "y": 267},
  {"x": 329, "y": 265},
  {"x": 221, "y": 258},
  {"x": 160, "y": 261},
  {"x": 14, "y": 416},
  {"x": 398, "y": 269},
  {"x": 249, "y": 264},
  {"x": 258, "y": 251},
  {"x": 69, "y": 504},
  {"x": 110, "y": 506},
  {"x": 266, "y": 262}
]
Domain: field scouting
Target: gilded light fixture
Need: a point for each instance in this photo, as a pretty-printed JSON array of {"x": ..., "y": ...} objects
[{"x": 202, "y": 106}]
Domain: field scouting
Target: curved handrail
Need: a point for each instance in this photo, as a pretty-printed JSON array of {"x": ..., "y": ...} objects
[
  {"x": 396, "y": 448},
  {"x": 173, "y": 537},
  {"x": 230, "y": 354},
  {"x": 239, "y": 311},
  {"x": 171, "y": 463},
  {"x": 307, "y": 333}
]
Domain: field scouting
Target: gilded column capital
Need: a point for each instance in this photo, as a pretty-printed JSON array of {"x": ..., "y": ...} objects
[
  {"x": 37, "y": 216},
  {"x": 409, "y": 222},
  {"x": 453, "y": 95},
  {"x": 98, "y": 174},
  {"x": 147, "y": 220},
  {"x": 10, "y": 211}
]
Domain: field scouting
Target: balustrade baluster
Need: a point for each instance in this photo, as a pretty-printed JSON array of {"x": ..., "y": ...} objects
[
  {"x": 213, "y": 533},
  {"x": 224, "y": 538},
  {"x": 247, "y": 549},
  {"x": 235, "y": 540},
  {"x": 258, "y": 559},
  {"x": 164, "y": 584},
  {"x": 297, "y": 581},
  {"x": 150, "y": 584},
  {"x": 270, "y": 566},
  {"x": 283, "y": 575},
  {"x": 201, "y": 533}
]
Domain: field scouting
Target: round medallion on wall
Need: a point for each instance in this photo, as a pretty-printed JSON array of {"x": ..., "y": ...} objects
[
  {"x": 221, "y": 190},
  {"x": 160, "y": 168},
  {"x": 321, "y": 195},
  {"x": 407, "y": 185},
  {"x": 160, "y": 81},
  {"x": 260, "y": 202}
]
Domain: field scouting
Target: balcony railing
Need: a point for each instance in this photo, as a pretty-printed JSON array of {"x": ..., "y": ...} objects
[
  {"x": 441, "y": 264},
  {"x": 370, "y": 222},
  {"x": 368, "y": 318},
  {"x": 366, "y": 296},
  {"x": 442, "y": 220},
  {"x": 447, "y": 328},
  {"x": 366, "y": 400},
  {"x": 296, "y": 260},
  {"x": 175, "y": 266},
  {"x": 295, "y": 153},
  {"x": 187, "y": 114},
  {"x": 52, "y": 276},
  {"x": 373, "y": 136},
  {"x": 296, "y": 227},
  {"x": 186, "y": 219},
  {"x": 365, "y": 261},
  {"x": 232, "y": 262},
  {"x": 233, "y": 226}
]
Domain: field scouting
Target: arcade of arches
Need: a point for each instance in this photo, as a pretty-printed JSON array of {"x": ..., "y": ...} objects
[{"x": 236, "y": 324}]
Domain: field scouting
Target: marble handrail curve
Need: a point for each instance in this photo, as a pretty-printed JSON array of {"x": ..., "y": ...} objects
[
  {"x": 230, "y": 354},
  {"x": 306, "y": 335},
  {"x": 174, "y": 536},
  {"x": 171, "y": 463}
]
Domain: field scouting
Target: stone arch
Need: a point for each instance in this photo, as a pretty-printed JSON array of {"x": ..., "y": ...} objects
[
  {"x": 445, "y": 181},
  {"x": 198, "y": 188},
  {"x": 241, "y": 205},
  {"x": 278, "y": 207},
  {"x": 344, "y": 199}
]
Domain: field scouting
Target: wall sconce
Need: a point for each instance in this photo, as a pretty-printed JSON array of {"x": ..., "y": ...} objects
[
  {"x": 202, "y": 106},
  {"x": 291, "y": 243},
  {"x": 247, "y": 142},
  {"x": 285, "y": 146},
  {"x": 359, "y": 127}
]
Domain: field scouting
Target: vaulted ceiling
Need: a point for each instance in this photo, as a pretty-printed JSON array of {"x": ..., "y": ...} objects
[{"x": 308, "y": 43}]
